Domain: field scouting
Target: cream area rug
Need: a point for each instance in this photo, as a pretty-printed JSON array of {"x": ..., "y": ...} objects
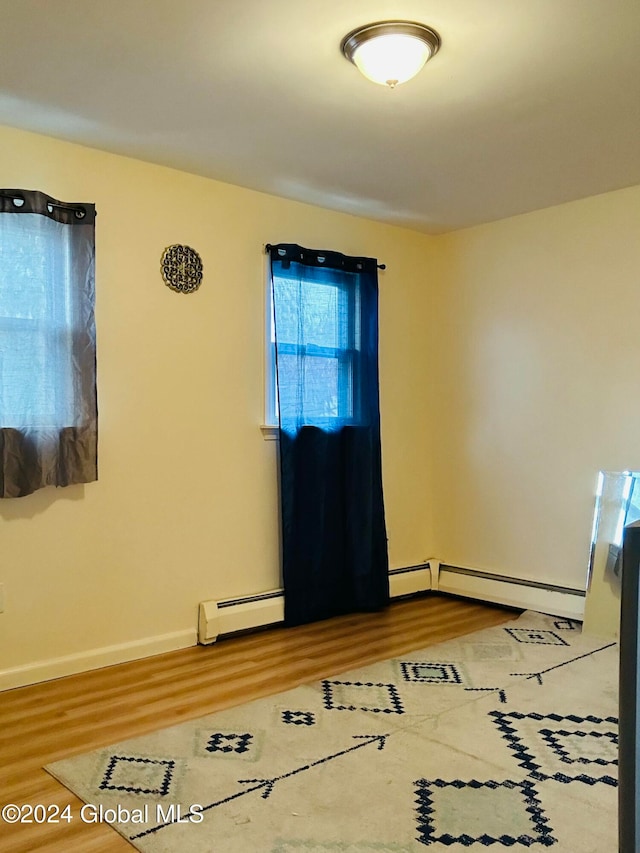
[{"x": 503, "y": 739}]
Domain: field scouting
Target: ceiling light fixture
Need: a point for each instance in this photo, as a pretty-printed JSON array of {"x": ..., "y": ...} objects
[{"x": 390, "y": 52}]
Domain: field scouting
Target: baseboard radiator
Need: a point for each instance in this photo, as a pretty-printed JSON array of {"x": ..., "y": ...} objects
[
  {"x": 220, "y": 618},
  {"x": 514, "y": 592}
]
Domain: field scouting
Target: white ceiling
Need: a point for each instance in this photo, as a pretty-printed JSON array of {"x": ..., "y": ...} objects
[{"x": 529, "y": 103}]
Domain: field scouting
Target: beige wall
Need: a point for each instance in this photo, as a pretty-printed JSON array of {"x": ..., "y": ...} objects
[
  {"x": 185, "y": 508},
  {"x": 538, "y": 383},
  {"x": 509, "y": 374}
]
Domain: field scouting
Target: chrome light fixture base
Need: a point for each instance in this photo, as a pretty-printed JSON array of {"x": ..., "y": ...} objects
[{"x": 386, "y": 31}]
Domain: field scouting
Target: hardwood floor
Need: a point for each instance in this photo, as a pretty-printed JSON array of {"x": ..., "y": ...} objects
[{"x": 50, "y": 721}]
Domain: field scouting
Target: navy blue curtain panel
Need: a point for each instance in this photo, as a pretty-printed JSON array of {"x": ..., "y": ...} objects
[{"x": 325, "y": 335}]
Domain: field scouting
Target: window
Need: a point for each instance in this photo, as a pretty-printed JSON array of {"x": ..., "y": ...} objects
[
  {"x": 322, "y": 335},
  {"x": 318, "y": 321},
  {"x": 36, "y": 330},
  {"x": 48, "y": 413}
]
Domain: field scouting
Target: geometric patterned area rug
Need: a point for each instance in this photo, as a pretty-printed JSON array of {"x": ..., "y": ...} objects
[{"x": 503, "y": 739}]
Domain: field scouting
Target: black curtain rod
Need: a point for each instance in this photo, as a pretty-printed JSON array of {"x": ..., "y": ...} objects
[
  {"x": 18, "y": 199},
  {"x": 269, "y": 246}
]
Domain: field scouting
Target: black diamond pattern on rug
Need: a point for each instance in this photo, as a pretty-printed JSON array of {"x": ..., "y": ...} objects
[
  {"x": 583, "y": 747},
  {"x": 537, "y": 636},
  {"x": 469, "y": 813},
  {"x": 552, "y": 746},
  {"x": 221, "y": 742},
  {"x": 299, "y": 718},
  {"x": 430, "y": 673},
  {"x": 361, "y": 696},
  {"x": 137, "y": 775}
]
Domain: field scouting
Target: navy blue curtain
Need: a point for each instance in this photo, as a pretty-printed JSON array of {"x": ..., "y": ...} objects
[{"x": 325, "y": 331}]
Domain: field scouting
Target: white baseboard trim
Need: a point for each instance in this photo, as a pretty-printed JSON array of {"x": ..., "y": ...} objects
[
  {"x": 46, "y": 670},
  {"x": 514, "y": 592},
  {"x": 267, "y": 608}
]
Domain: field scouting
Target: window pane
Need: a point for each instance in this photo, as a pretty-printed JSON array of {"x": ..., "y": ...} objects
[
  {"x": 36, "y": 335},
  {"x": 317, "y": 330},
  {"x": 33, "y": 253},
  {"x": 319, "y": 319},
  {"x": 324, "y": 391}
]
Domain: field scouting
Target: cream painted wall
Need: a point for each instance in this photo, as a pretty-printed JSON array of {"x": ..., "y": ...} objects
[
  {"x": 509, "y": 368},
  {"x": 185, "y": 508},
  {"x": 537, "y": 372}
]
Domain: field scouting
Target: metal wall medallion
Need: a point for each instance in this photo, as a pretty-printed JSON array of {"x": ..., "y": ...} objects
[{"x": 181, "y": 268}]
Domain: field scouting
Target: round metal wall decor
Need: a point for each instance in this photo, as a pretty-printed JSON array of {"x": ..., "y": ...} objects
[{"x": 181, "y": 268}]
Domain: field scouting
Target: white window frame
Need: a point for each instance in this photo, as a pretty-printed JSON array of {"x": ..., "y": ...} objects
[{"x": 270, "y": 424}]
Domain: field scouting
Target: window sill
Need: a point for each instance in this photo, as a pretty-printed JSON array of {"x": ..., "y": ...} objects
[{"x": 269, "y": 432}]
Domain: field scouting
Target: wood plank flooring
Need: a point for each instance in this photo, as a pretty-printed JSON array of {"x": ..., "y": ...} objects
[{"x": 50, "y": 721}]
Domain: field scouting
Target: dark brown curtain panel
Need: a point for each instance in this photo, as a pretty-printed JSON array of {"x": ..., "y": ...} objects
[{"x": 48, "y": 410}]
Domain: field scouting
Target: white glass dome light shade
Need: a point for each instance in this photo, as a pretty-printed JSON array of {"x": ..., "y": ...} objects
[
  {"x": 390, "y": 52},
  {"x": 391, "y": 59}
]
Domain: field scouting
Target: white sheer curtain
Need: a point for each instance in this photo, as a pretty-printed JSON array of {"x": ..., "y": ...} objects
[{"x": 48, "y": 413}]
